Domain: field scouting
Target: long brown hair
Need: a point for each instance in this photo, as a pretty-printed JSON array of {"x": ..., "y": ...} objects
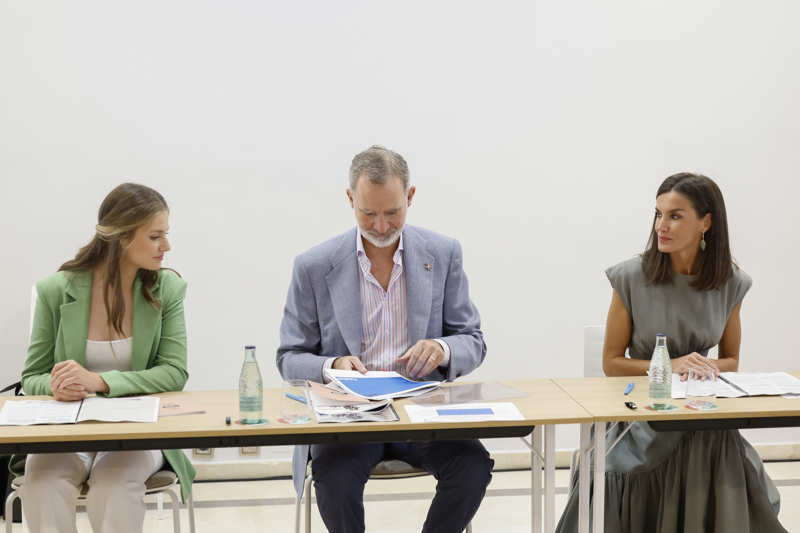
[
  {"x": 123, "y": 211},
  {"x": 715, "y": 265}
]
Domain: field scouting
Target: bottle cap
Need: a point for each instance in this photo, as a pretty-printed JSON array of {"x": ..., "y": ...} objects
[{"x": 250, "y": 347}]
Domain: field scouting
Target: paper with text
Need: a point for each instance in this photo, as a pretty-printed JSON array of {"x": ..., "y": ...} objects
[
  {"x": 740, "y": 384},
  {"x": 31, "y": 412},
  {"x": 464, "y": 412},
  {"x": 132, "y": 409}
]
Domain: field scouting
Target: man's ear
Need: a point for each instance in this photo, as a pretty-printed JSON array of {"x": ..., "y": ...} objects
[
  {"x": 350, "y": 197},
  {"x": 411, "y": 191}
]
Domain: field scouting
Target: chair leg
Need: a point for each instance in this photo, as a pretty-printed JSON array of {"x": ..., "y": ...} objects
[
  {"x": 9, "y": 516},
  {"x": 176, "y": 510},
  {"x": 190, "y": 506},
  {"x": 297, "y": 505},
  {"x": 307, "y": 494}
]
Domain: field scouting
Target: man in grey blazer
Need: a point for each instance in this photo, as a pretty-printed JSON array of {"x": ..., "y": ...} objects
[{"x": 384, "y": 296}]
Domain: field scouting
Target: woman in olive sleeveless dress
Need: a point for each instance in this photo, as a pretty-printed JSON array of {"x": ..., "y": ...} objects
[{"x": 686, "y": 286}]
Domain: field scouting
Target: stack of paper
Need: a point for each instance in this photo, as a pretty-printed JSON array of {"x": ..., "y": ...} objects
[
  {"x": 30, "y": 412},
  {"x": 333, "y": 405},
  {"x": 377, "y": 385}
]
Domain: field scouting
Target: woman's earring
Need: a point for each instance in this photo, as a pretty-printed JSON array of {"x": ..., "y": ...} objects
[{"x": 703, "y": 242}]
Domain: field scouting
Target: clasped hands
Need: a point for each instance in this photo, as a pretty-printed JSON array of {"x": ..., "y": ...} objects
[
  {"x": 693, "y": 361},
  {"x": 70, "y": 382},
  {"x": 419, "y": 360}
]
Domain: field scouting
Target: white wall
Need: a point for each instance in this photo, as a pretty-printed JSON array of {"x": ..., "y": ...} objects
[{"x": 536, "y": 132}]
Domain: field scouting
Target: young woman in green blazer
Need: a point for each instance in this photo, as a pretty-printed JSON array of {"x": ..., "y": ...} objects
[{"x": 109, "y": 322}]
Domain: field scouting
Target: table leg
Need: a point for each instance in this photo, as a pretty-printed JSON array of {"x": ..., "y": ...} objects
[
  {"x": 599, "y": 492},
  {"x": 583, "y": 478},
  {"x": 549, "y": 478},
  {"x": 536, "y": 480}
]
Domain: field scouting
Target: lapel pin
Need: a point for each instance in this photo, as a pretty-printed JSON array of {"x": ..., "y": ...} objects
[{"x": 428, "y": 267}]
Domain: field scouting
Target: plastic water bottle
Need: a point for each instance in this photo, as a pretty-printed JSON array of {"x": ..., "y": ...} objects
[
  {"x": 660, "y": 390},
  {"x": 251, "y": 389}
]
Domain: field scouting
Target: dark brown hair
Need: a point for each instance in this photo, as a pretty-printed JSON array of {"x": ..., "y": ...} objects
[
  {"x": 714, "y": 264},
  {"x": 123, "y": 211}
]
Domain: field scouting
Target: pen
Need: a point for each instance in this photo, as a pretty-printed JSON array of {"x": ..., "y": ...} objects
[
  {"x": 629, "y": 388},
  {"x": 296, "y": 397}
]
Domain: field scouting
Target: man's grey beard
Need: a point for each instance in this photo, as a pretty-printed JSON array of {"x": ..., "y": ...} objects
[{"x": 382, "y": 243}]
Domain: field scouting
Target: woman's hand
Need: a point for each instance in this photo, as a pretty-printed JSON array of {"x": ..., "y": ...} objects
[
  {"x": 69, "y": 381},
  {"x": 69, "y": 391},
  {"x": 682, "y": 365}
]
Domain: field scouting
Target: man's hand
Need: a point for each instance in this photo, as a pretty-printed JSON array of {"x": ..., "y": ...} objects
[
  {"x": 422, "y": 358},
  {"x": 682, "y": 365},
  {"x": 69, "y": 381},
  {"x": 349, "y": 362}
]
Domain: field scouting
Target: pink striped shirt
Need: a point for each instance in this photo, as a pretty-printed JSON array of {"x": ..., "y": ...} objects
[{"x": 384, "y": 316}]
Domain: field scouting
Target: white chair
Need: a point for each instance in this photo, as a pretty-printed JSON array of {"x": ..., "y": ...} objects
[
  {"x": 593, "y": 338},
  {"x": 388, "y": 469},
  {"x": 163, "y": 481}
]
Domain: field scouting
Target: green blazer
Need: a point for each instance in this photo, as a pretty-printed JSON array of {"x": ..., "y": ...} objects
[{"x": 60, "y": 329}]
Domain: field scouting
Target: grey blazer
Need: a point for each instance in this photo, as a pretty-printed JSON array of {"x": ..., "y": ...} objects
[{"x": 322, "y": 317}]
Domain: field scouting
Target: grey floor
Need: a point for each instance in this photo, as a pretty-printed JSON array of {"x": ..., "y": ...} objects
[{"x": 392, "y": 506}]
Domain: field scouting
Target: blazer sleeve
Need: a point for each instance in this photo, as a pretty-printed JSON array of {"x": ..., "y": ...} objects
[
  {"x": 300, "y": 341},
  {"x": 41, "y": 350},
  {"x": 167, "y": 370},
  {"x": 461, "y": 326}
]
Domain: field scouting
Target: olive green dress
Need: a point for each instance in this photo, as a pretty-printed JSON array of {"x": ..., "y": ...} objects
[{"x": 680, "y": 481}]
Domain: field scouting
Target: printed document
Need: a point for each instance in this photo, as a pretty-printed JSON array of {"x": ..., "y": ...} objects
[
  {"x": 378, "y": 385},
  {"x": 739, "y": 384},
  {"x": 335, "y": 406},
  {"x": 31, "y": 412},
  {"x": 464, "y": 412}
]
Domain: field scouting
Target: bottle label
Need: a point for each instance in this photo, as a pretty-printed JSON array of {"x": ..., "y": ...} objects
[{"x": 250, "y": 403}]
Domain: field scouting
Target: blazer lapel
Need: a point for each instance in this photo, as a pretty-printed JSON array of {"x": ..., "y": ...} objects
[
  {"x": 75, "y": 317},
  {"x": 345, "y": 292},
  {"x": 145, "y": 326},
  {"x": 418, "y": 265}
]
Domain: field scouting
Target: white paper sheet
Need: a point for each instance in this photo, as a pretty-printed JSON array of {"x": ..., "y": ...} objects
[
  {"x": 764, "y": 383},
  {"x": 133, "y": 409},
  {"x": 463, "y": 412},
  {"x": 31, "y": 412},
  {"x": 723, "y": 389},
  {"x": 739, "y": 384}
]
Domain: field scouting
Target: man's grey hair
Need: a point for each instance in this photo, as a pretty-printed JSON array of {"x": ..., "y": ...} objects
[{"x": 378, "y": 164}]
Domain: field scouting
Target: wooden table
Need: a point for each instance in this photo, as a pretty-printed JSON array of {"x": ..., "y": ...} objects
[
  {"x": 545, "y": 405},
  {"x": 603, "y": 398}
]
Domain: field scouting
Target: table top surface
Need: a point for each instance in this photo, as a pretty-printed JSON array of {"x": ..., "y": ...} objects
[
  {"x": 603, "y": 398},
  {"x": 557, "y": 401},
  {"x": 545, "y": 403}
]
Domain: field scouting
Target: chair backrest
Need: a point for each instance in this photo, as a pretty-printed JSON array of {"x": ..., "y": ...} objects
[{"x": 593, "y": 337}]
